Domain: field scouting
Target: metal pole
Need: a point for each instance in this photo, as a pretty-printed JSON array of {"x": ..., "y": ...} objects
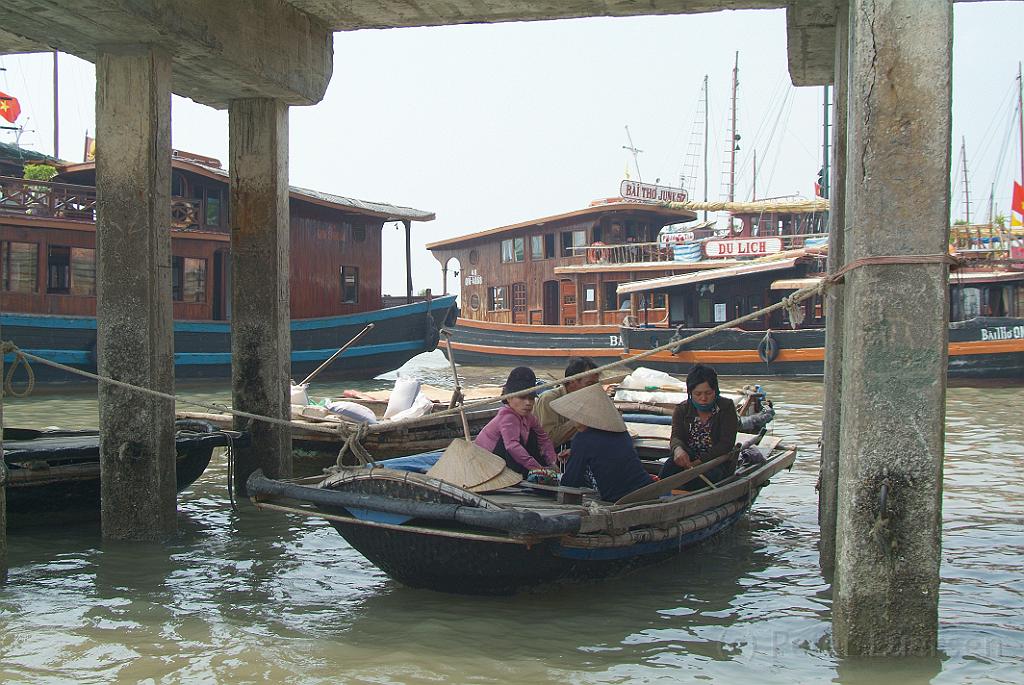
[
  {"x": 334, "y": 356},
  {"x": 408, "y": 261},
  {"x": 826, "y": 155}
]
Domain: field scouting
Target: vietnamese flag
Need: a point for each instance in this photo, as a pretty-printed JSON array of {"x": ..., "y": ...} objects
[
  {"x": 9, "y": 107},
  {"x": 1018, "y": 198}
]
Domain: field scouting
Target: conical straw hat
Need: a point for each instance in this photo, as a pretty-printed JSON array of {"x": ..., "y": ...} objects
[
  {"x": 465, "y": 464},
  {"x": 591, "y": 407},
  {"x": 507, "y": 478}
]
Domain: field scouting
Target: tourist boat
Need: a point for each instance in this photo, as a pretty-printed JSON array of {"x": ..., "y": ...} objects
[
  {"x": 541, "y": 291},
  {"x": 54, "y": 474},
  {"x": 427, "y": 533},
  {"x": 47, "y": 240},
  {"x": 986, "y": 330}
]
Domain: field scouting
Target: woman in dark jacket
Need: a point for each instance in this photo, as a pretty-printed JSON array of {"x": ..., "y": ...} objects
[{"x": 703, "y": 428}]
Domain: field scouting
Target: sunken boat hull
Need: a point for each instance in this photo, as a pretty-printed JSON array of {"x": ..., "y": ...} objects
[
  {"x": 202, "y": 349},
  {"x": 54, "y": 475},
  {"x": 427, "y": 533},
  {"x": 984, "y": 347}
]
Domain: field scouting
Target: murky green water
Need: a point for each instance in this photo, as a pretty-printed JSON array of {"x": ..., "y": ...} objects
[{"x": 253, "y": 596}]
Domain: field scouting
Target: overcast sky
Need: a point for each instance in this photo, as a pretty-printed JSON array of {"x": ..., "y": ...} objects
[{"x": 488, "y": 125}]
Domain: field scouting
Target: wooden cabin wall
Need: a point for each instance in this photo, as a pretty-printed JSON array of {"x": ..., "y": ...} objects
[
  {"x": 41, "y": 302},
  {"x": 322, "y": 241},
  {"x": 481, "y": 261}
]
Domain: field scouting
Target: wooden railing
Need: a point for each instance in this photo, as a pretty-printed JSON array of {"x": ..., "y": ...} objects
[
  {"x": 633, "y": 253},
  {"x": 78, "y": 203},
  {"x": 39, "y": 198}
]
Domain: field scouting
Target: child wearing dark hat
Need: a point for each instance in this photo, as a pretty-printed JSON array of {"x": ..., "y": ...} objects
[{"x": 515, "y": 434}]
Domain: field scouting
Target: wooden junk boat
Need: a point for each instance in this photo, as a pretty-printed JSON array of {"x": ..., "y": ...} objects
[
  {"x": 48, "y": 249},
  {"x": 428, "y": 533},
  {"x": 55, "y": 474}
]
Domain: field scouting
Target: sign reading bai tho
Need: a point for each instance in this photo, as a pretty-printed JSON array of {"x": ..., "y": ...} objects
[
  {"x": 633, "y": 190},
  {"x": 743, "y": 247}
]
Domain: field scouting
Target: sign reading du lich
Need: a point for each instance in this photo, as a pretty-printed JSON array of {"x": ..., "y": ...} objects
[{"x": 742, "y": 247}]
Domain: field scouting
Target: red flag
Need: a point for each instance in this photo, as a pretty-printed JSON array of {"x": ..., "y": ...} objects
[
  {"x": 9, "y": 107},
  {"x": 1018, "y": 198}
]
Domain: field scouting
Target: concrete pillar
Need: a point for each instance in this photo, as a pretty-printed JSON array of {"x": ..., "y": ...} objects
[
  {"x": 888, "y": 540},
  {"x": 832, "y": 407},
  {"x": 3, "y": 480},
  {"x": 134, "y": 327},
  {"x": 260, "y": 312}
]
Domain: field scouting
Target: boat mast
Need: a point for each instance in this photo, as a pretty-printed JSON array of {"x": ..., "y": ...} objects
[
  {"x": 706, "y": 144},
  {"x": 1020, "y": 120},
  {"x": 633, "y": 148},
  {"x": 825, "y": 139},
  {"x": 56, "y": 124},
  {"x": 967, "y": 191},
  {"x": 732, "y": 144},
  {"x": 754, "y": 191}
]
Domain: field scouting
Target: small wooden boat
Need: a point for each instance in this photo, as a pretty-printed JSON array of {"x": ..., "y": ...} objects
[
  {"x": 53, "y": 474},
  {"x": 427, "y": 533}
]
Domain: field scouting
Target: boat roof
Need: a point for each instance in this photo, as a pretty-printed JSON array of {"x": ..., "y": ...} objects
[
  {"x": 13, "y": 152},
  {"x": 787, "y": 261},
  {"x": 209, "y": 167},
  {"x": 670, "y": 215},
  {"x": 955, "y": 278},
  {"x": 643, "y": 266}
]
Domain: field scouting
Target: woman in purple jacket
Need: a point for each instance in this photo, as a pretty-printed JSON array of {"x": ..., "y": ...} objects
[{"x": 515, "y": 434}]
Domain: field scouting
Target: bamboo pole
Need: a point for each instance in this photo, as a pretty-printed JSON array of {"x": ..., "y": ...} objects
[{"x": 334, "y": 356}]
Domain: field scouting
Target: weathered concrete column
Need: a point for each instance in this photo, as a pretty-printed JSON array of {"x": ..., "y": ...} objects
[
  {"x": 895, "y": 333},
  {"x": 260, "y": 336},
  {"x": 832, "y": 407},
  {"x": 3, "y": 480},
  {"x": 135, "y": 338}
]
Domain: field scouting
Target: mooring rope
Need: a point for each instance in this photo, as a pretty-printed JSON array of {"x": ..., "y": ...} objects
[{"x": 360, "y": 430}]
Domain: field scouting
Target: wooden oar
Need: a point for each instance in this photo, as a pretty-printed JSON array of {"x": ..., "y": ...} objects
[
  {"x": 334, "y": 356},
  {"x": 457, "y": 393}
]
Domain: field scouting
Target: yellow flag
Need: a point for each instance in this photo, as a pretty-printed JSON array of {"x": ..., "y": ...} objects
[
  {"x": 1015, "y": 220},
  {"x": 627, "y": 169}
]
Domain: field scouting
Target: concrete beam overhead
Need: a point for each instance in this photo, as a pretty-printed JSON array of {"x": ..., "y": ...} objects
[
  {"x": 12, "y": 43},
  {"x": 349, "y": 15},
  {"x": 811, "y": 41},
  {"x": 220, "y": 50}
]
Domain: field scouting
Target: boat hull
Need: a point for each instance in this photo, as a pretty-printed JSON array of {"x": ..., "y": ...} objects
[
  {"x": 979, "y": 348},
  {"x": 202, "y": 349},
  {"x": 487, "y": 566},
  {"x": 481, "y": 343}
]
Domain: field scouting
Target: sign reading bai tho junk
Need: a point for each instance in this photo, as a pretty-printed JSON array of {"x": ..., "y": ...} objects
[
  {"x": 742, "y": 247},
  {"x": 633, "y": 190}
]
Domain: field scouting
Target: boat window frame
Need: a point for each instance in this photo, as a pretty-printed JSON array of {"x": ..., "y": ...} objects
[
  {"x": 5, "y": 265},
  {"x": 493, "y": 298}
]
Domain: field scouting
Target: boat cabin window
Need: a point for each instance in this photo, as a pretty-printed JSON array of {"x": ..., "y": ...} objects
[
  {"x": 497, "y": 298},
  {"x": 178, "y": 186},
  {"x": 83, "y": 271},
  {"x": 474, "y": 302},
  {"x": 211, "y": 199},
  {"x": 350, "y": 285},
  {"x": 573, "y": 242},
  {"x": 20, "y": 266},
  {"x": 359, "y": 232},
  {"x": 188, "y": 279},
  {"x": 542, "y": 246},
  {"x": 513, "y": 250}
]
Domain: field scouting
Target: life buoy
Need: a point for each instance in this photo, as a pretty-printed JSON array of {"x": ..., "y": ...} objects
[
  {"x": 594, "y": 256},
  {"x": 768, "y": 348}
]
